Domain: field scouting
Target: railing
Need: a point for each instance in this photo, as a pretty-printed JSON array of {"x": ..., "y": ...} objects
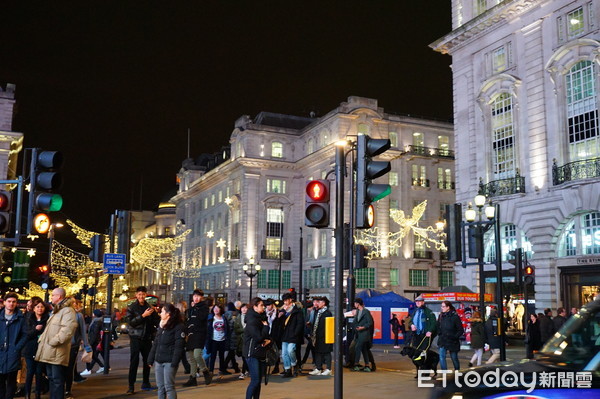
[
  {"x": 446, "y": 185},
  {"x": 234, "y": 254},
  {"x": 508, "y": 186},
  {"x": 420, "y": 182},
  {"x": 577, "y": 170},
  {"x": 429, "y": 152},
  {"x": 274, "y": 254},
  {"x": 422, "y": 254}
]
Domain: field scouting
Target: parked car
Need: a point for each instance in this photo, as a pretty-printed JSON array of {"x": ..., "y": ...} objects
[
  {"x": 123, "y": 326},
  {"x": 568, "y": 365}
]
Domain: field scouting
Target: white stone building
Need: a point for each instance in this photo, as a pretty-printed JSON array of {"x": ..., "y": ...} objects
[
  {"x": 525, "y": 78},
  {"x": 249, "y": 204},
  {"x": 11, "y": 142}
]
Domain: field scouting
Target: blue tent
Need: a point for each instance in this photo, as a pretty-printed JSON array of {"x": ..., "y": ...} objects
[{"x": 381, "y": 306}]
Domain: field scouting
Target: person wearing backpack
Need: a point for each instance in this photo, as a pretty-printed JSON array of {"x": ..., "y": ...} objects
[{"x": 95, "y": 335}]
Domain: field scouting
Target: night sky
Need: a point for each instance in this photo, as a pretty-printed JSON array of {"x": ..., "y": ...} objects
[{"x": 116, "y": 86}]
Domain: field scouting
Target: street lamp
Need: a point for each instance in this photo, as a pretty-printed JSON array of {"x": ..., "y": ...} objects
[{"x": 251, "y": 270}]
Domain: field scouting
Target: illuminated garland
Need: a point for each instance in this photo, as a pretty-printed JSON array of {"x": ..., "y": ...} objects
[
  {"x": 84, "y": 235},
  {"x": 67, "y": 262},
  {"x": 152, "y": 248},
  {"x": 428, "y": 236}
]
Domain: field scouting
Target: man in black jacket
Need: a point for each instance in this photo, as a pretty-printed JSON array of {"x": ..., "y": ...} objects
[
  {"x": 143, "y": 320},
  {"x": 293, "y": 328},
  {"x": 196, "y": 325},
  {"x": 546, "y": 326},
  {"x": 560, "y": 319}
]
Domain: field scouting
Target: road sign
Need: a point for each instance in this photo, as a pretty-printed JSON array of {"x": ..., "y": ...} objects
[{"x": 114, "y": 263}]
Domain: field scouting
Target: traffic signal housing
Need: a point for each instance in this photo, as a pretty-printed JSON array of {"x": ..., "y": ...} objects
[
  {"x": 518, "y": 262},
  {"x": 366, "y": 171},
  {"x": 529, "y": 273},
  {"x": 453, "y": 232},
  {"x": 45, "y": 178},
  {"x": 316, "y": 208},
  {"x": 360, "y": 255},
  {"x": 5, "y": 211},
  {"x": 97, "y": 244}
]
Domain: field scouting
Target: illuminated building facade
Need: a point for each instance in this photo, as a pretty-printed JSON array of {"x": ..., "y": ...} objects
[
  {"x": 526, "y": 76},
  {"x": 245, "y": 205}
]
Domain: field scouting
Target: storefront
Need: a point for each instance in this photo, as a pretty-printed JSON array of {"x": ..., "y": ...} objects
[{"x": 579, "y": 284}]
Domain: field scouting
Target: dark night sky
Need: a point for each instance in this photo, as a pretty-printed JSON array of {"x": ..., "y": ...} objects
[{"x": 115, "y": 87}]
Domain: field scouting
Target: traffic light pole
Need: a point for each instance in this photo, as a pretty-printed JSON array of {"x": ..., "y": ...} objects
[
  {"x": 351, "y": 283},
  {"x": 301, "y": 297},
  {"x": 109, "y": 296},
  {"x": 338, "y": 390},
  {"x": 499, "y": 291}
]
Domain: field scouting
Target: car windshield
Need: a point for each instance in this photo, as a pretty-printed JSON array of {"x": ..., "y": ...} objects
[{"x": 578, "y": 341}]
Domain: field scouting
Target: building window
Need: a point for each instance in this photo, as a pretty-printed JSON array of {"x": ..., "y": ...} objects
[
  {"x": 393, "y": 179},
  {"x": 309, "y": 246},
  {"x": 480, "y": 7},
  {"x": 393, "y": 139},
  {"x": 575, "y": 25},
  {"x": 220, "y": 198},
  {"x": 262, "y": 150},
  {"x": 510, "y": 239},
  {"x": 444, "y": 145},
  {"x": 206, "y": 203},
  {"x": 418, "y": 140},
  {"x": 394, "y": 277},
  {"x": 274, "y": 222},
  {"x": 445, "y": 179},
  {"x": 591, "y": 233},
  {"x": 581, "y": 236},
  {"x": 418, "y": 278},
  {"x": 582, "y": 111},
  {"x": 212, "y": 200},
  {"x": 393, "y": 204},
  {"x": 310, "y": 147},
  {"x": 446, "y": 278},
  {"x": 365, "y": 278},
  {"x": 503, "y": 144},
  {"x": 419, "y": 176},
  {"x": 276, "y": 186},
  {"x": 317, "y": 277},
  {"x": 323, "y": 245},
  {"x": 276, "y": 149},
  {"x": 501, "y": 58}
]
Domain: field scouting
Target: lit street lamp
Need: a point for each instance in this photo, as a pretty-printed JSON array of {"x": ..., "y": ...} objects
[{"x": 251, "y": 270}]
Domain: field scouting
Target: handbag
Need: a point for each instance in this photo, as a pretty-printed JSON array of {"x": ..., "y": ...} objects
[{"x": 86, "y": 357}]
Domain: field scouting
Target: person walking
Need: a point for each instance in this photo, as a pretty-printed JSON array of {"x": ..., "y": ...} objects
[
  {"x": 95, "y": 339},
  {"x": 182, "y": 307},
  {"x": 36, "y": 323},
  {"x": 143, "y": 320},
  {"x": 309, "y": 318},
  {"x": 217, "y": 338},
  {"x": 55, "y": 342},
  {"x": 322, "y": 350},
  {"x": 195, "y": 328},
  {"x": 477, "y": 339},
  {"x": 13, "y": 337},
  {"x": 560, "y": 319},
  {"x": 363, "y": 322},
  {"x": 395, "y": 329},
  {"x": 167, "y": 350},
  {"x": 423, "y": 326},
  {"x": 239, "y": 325},
  {"x": 547, "y": 329},
  {"x": 533, "y": 338},
  {"x": 450, "y": 330},
  {"x": 231, "y": 314},
  {"x": 256, "y": 335},
  {"x": 293, "y": 328}
]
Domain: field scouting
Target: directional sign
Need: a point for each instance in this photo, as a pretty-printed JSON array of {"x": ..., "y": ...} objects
[{"x": 114, "y": 263}]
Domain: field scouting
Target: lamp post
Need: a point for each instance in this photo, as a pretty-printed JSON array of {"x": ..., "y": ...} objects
[
  {"x": 477, "y": 230},
  {"x": 251, "y": 270}
]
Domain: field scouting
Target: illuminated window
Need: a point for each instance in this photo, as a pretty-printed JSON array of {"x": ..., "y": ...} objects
[
  {"x": 503, "y": 140},
  {"x": 582, "y": 111},
  {"x": 393, "y": 176},
  {"x": 444, "y": 145},
  {"x": 276, "y": 186},
  {"x": 310, "y": 148},
  {"x": 418, "y": 278},
  {"x": 394, "y": 139},
  {"x": 499, "y": 60},
  {"x": 212, "y": 200},
  {"x": 418, "y": 140},
  {"x": 276, "y": 149},
  {"x": 575, "y": 24}
]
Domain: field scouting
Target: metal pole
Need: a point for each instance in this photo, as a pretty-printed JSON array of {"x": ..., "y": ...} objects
[
  {"x": 499, "y": 293},
  {"x": 351, "y": 282},
  {"x": 251, "y": 277},
  {"x": 481, "y": 268},
  {"x": 300, "y": 286},
  {"x": 109, "y": 295},
  {"x": 339, "y": 273}
]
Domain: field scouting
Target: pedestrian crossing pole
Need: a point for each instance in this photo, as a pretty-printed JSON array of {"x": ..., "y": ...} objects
[{"x": 338, "y": 391}]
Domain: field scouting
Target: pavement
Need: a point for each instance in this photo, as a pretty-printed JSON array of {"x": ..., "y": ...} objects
[{"x": 394, "y": 378}]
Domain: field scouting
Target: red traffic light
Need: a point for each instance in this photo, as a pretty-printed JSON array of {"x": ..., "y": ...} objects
[
  {"x": 4, "y": 201},
  {"x": 43, "y": 269},
  {"x": 529, "y": 270},
  {"x": 318, "y": 190}
]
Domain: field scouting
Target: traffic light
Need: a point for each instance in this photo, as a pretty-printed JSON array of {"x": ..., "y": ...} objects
[
  {"x": 45, "y": 273},
  {"x": 360, "y": 255},
  {"x": 453, "y": 232},
  {"x": 97, "y": 252},
  {"x": 306, "y": 293},
  {"x": 316, "y": 208},
  {"x": 45, "y": 178},
  {"x": 518, "y": 262},
  {"x": 529, "y": 275},
  {"x": 366, "y": 171},
  {"x": 5, "y": 211}
]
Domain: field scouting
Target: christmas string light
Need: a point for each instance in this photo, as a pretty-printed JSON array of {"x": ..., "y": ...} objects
[
  {"x": 82, "y": 234},
  {"x": 151, "y": 248}
]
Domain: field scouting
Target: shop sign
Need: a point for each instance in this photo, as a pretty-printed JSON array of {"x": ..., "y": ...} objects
[{"x": 588, "y": 261}]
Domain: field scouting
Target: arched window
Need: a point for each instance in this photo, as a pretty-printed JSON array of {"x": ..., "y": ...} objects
[
  {"x": 582, "y": 111},
  {"x": 581, "y": 236},
  {"x": 276, "y": 149},
  {"x": 511, "y": 238},
  {"x": 503, "y": 140}
]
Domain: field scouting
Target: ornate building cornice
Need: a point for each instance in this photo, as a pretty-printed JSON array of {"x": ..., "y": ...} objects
[{"x": 489, "y": 20}]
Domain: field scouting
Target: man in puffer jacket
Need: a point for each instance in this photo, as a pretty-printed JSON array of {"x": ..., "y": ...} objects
[
  {"x": 54, "y": 346},
  {"x": 13, "y": 336}
]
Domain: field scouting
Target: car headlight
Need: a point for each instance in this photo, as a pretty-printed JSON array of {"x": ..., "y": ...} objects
[
  {"x": 123, "y": 326},
  {"x": 457, "y": 396}
]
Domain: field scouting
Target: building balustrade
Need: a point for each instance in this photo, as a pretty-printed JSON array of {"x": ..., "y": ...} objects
[
  {"x": 512, "y": 185},
  {"x": 428, "y": 151},
  {"x": 422, "y": 254},
  {"x": 275, "y": 254},
  {"x": 578, "y": 170},
  {"x": 234, "y": 254},
  {"x": 446, "y": 185}
]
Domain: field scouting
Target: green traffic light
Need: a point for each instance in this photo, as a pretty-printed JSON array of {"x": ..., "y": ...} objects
[
  {"x": 49, "y": 202},
  {"x": 384, "y": 193},
  {"x": 56, "y": 203}
]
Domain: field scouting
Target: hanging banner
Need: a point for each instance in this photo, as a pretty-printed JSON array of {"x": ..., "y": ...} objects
[{"x": 20, "y": 272}]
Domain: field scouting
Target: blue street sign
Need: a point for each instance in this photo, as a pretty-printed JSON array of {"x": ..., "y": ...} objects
[{"x": 114, "y": 263}]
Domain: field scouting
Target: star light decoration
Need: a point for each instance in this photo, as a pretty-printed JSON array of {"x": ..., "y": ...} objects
[
  {"x": 221, "y": 243},
  {"x": 430, "y": 235},
  {"x": 31, "y": 252},
  {"x": 210, "y": 234},
  {"x": 221, "y": 259}
]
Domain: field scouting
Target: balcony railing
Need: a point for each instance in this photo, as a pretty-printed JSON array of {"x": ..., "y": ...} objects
[
  {"x": 508, "y": 186},
  {"x": 446, "y": 185},
  {"x": 274, "y": 254},
  {"x": 420, "y": 182},
  {"x": 234, "y": 254},
  {"x": 578, "y": 170},
  {"x": 422, "y": 254},
  {"x": 428, "y": 151}
]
